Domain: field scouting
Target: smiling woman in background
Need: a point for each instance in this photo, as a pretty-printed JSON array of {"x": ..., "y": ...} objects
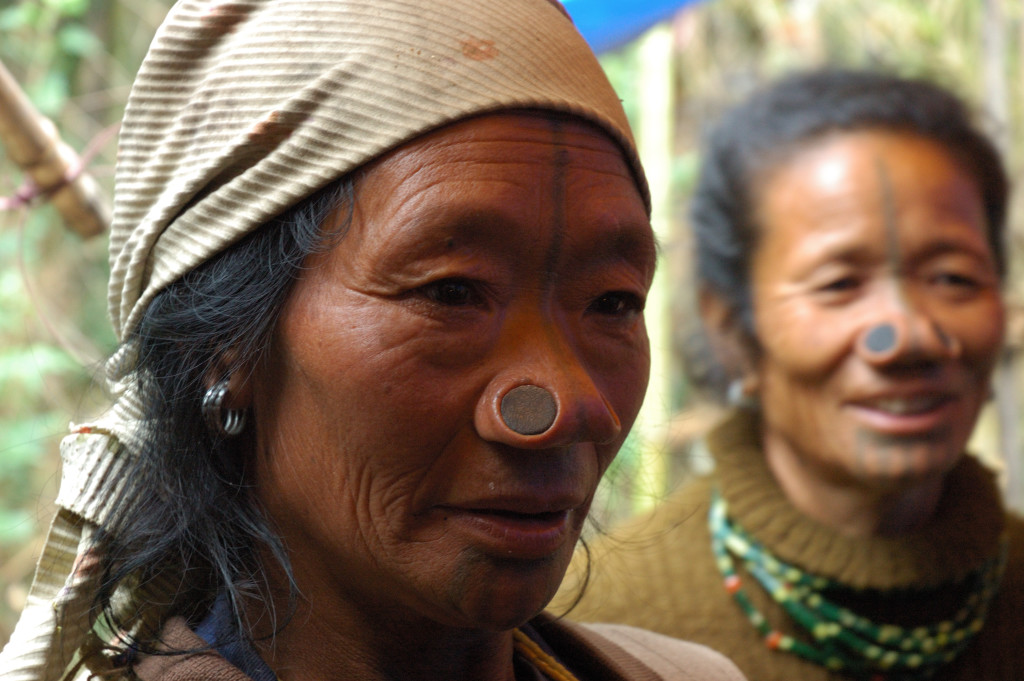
[
  {"x": 378, "y": 270},
  {"x": 850, "y": 254}
]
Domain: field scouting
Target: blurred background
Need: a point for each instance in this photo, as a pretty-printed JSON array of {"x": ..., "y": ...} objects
[{"x": 676, "y": 65}]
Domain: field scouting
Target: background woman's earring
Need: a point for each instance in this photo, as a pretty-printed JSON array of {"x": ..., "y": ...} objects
[
  {"x": 739, "y": 395},
  {"x": 225, "y": 422}
]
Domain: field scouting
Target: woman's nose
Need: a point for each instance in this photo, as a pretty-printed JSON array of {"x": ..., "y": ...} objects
[
  {"x": 546, "y": 401},
  {"x": 906, "y": 335}
]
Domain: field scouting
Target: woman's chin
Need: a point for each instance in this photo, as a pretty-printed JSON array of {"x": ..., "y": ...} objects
[
  {"x": 910, "y": 467},
  {"x": 510, "y": 597}
]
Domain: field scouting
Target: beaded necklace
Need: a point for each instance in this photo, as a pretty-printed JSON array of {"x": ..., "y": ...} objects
[{"x": 842, "y": 640}]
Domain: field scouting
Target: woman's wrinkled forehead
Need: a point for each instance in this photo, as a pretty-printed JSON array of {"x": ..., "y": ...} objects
[{"x": 242, "y": 109}]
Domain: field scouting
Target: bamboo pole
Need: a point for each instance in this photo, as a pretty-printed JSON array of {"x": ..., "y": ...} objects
[
  {"x": 52, "y": 166},
  {"x": 654, "y": 128}
]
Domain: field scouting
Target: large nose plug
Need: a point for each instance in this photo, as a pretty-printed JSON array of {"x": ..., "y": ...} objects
[
  {"x": 528, "y": 409},
  {"x": 884, "y": 341},
  {"x": 880, "y": 340}
]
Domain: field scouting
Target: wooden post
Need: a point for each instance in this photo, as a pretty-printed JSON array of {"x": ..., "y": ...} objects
[{"x": 34, "y": 145}]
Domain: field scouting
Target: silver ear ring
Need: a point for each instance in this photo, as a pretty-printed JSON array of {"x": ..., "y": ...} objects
[
  {"x": 737, "y": 395},
  {"x": 224, "y": 422}
]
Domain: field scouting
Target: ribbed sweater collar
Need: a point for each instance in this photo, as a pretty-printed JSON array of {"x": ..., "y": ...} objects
[{"x": 964, "y": 532}]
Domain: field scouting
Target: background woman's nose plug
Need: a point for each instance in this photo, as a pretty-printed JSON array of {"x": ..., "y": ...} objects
[
  {"x": 528, "y": 409},
  {"x": 883, "y": 341},
  {"x": 880, "y": 339}
]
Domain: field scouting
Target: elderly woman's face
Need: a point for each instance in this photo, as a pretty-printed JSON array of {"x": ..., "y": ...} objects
[
  {"x": 877, "y": 306},
  {"x": 504, "y": 250}
]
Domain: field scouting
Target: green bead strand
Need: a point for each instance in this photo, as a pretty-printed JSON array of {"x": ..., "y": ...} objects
[{"x": 844, "y": 641}]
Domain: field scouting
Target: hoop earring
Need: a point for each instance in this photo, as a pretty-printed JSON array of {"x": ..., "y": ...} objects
[
  {"x": 224, "y": 422},
  {"x": 738, "y": 395}
]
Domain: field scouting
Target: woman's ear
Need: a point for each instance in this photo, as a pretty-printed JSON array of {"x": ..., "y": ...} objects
[
  {"x": 730, "y": 342},
  {"x": 237, "y": 374}
]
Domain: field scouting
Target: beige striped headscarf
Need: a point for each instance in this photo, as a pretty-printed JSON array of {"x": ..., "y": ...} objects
[{"x": 241, "y": 109}]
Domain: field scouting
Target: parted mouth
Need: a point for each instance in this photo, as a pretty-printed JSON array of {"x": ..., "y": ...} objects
[
  {"x": 549, "y": 502},
  {"x": 908, "y": 405},
  {"x": 513, "y": 534},
  {"x": 541, "y": 516},
  {"x": 517, "y": 508}
]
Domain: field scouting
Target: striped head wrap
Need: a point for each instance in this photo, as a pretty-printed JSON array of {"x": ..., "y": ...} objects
[{"x": 241, "y": 109}]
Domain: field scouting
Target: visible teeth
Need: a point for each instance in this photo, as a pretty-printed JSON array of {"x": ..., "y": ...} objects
[{"x": 912, "y": 405}]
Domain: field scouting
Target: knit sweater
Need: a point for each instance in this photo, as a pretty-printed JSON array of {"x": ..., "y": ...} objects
[{"x": 658, "y": 570}]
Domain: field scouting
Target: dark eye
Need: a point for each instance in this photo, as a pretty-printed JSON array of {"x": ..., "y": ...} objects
[
  {"x": 955, "y": 280},
  {"x": 617, "y": 304},
  {"x": 452, "y": 292},
  {"x": 841, "y": 284}
]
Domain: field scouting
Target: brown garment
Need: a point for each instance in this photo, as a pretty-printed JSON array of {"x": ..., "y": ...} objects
[
  {"x": 658, "y": 571},
  {"x": 598, "y": 653}
]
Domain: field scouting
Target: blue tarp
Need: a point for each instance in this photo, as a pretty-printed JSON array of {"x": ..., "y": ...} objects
[{"x": 607, "y": 24}]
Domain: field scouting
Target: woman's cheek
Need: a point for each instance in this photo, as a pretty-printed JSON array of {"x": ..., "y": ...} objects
[
  {"x": 803, "y": 341},
  {"x": 981, "y": 333}
]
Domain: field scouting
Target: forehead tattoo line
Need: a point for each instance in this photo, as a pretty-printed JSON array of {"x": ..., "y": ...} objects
[
  {"x": 560, "y": 159},
  {"x": 892, "y": 236},
  {"x": 559, "y": 193},
  {"x": 890, "y": 221},
  {"x": 893, "y": 251}
]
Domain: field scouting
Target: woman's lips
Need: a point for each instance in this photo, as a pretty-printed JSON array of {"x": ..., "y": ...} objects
[
  {"x": 908, "y": 415},
  {"x": 512, "y": 534},
  {"x": 907, "y": 406}
]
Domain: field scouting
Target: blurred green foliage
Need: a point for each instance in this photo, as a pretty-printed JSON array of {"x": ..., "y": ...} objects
[
  {"x": 74, "y": 59},
  {"x": 25, "y": 24}
]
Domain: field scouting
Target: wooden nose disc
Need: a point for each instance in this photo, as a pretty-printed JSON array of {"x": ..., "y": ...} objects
[{"x": 528, "y": 409}]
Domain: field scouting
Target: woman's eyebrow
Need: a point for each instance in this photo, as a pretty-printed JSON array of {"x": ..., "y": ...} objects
[
  {"x": 632, "y": 243},
  {"x": 443, "y": 228}
]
